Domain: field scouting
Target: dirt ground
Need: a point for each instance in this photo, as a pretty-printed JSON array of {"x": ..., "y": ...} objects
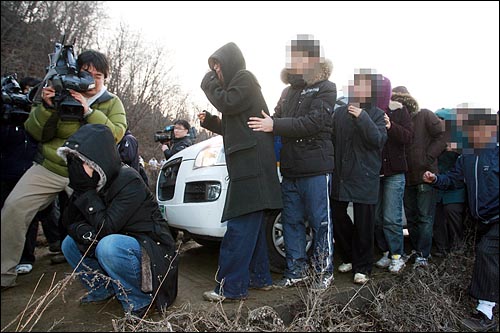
[{"x": 64, "y": 313}]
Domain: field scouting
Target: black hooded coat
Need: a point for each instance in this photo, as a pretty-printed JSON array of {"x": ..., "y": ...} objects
[
  {"x": 122, "y": 204},
  {"x": 250, "y": 158}
]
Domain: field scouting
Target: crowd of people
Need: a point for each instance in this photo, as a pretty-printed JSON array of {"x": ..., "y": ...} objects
[{"x": 380, "y": 152}]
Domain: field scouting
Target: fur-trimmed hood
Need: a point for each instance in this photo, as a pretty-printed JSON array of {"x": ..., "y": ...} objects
[
  {"x": 320, "y": 73},
  {"x": 95, "y": 145},
  {"x": 408, "y": 101}
]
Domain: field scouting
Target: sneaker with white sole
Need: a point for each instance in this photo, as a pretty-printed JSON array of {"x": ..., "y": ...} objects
[
  {"x": 397, "y": 264},
  {"x": 360, "y": 278},
  {"x": 421, "y": 262},
  {"x": 288, "y": 282},
  {"x": 345, "y": 267},
  {"x": 24, "y": 268},
  {"x": 384, "y": 262},
  {"x": 323, "y": 283}
]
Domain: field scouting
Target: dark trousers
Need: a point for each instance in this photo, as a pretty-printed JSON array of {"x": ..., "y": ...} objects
[
  {"x": 354, "y": 241},
  {"x": 243, "y": 258},
  {"x": 484, "y": 285},
  {"x": 448, "y": 229}
]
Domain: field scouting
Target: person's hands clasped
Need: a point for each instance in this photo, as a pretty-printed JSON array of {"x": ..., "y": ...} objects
[
  {"x": 79, "y": 179},
  {"x": 261, "y": 124}
]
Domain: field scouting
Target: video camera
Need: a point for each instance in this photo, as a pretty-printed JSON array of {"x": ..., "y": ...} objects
[
  {"x": 15, "y": 105},
  {"x": 63, "y": 74},
  {"x": 166, "y": 135}
]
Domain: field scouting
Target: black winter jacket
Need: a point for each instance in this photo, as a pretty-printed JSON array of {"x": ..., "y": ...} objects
[
  {"x": 177, "y": 146},
  {"x": 399, "y": 136},
  {"x": 122, "y": 204},
  {"x": 303, "y": 119},
  {"x": 358, "y": 146},
  {"x": 250, "y": 158}
]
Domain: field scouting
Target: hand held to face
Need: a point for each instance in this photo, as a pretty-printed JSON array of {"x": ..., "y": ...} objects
[{"x": 355, "y": 111}]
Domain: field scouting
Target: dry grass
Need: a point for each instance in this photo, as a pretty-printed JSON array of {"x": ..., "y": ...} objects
[{"x": 431, "y": 299}]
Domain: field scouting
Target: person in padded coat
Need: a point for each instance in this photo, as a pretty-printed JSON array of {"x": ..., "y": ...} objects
[
  {"x": 253, "y": 179},
  {"x": 113, "y": 223},
  {"x": 359, "y": 135},
  {"x": 302, "y": 118}
]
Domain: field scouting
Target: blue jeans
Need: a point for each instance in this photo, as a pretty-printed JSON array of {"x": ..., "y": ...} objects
[
  {"x": 307, "y": 199},
  {"x": 243, "y": 257},
  {"x": 389, "y": 214},
  {"x": 420, "y": 205},
  {"x": 119, "y": 258}
]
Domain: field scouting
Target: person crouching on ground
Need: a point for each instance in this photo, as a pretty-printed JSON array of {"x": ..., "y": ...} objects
[{"x": 113, "y": 223}]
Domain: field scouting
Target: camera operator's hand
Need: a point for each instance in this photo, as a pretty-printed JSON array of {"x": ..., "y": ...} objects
[
  {"x": 166, "y": 145},
  {"x": 81, "y": 177},
  {"x": 48, "y": 94},
  {"x": 79, "y": 97}
]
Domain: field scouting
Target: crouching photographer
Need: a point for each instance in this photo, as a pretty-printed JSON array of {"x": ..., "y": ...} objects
[{"x": 174, "y": 139}]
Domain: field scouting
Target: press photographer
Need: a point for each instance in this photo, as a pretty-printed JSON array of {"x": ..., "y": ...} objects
[
  {"x": 66, "y": 82},
  {"x": 47, "y": 177},
  {"x": 174, "y": 139},
  {"x": 15, "y": 104}
]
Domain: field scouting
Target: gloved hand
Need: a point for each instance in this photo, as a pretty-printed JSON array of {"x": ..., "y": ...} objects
[
  {"x": 79, "y": 180},
  {"x": 84, "y": 236}
]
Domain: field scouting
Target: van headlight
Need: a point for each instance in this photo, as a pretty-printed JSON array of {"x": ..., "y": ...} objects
[{"x": 209, "y": 156}]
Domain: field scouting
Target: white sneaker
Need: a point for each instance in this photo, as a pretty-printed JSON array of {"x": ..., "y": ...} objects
[
  {"x": 384, "y": 262},
  {"x": 24, "y": 268},
  {"x": 397, "y": 264},
  {"x": 421, "y": 262},
  {"x": 360, "y": 278},
  {"x": 345, "y": 267},
  {"x": 323, "y": 283}
]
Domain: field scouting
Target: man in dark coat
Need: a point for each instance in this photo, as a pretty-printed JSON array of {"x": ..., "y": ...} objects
[
  {"x": 253, "y": 180},
  {"x": 114, "y": 222},
  {"x": 303, "y": 120}
]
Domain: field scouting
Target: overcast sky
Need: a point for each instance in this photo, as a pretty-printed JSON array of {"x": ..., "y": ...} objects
[{"x": 445, "y": 53}]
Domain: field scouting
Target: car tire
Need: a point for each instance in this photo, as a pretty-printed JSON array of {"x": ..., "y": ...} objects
[{"x": 276, "y": 243}]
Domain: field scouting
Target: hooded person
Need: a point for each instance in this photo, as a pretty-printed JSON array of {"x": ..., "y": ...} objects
[
  {"x": 113, "y": 222},
  {"x": 389, "y": 210},
  {"x": 253, "y": 179}
]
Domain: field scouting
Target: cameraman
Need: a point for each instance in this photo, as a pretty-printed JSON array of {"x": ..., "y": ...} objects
[
  {"x": 49, "y": 175},
  {"x": 180, "y": 141}
]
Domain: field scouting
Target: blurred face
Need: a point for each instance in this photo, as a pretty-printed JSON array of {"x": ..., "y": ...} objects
[
  {"x": 301, "y": 63},
  {"x": 180, "y": 131},
  {"x": 218, "y": 70},
  {"x": 360, "y": 89},
  {"x": 98, "y": 78},
  {"x": 482, "y": 135}
]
